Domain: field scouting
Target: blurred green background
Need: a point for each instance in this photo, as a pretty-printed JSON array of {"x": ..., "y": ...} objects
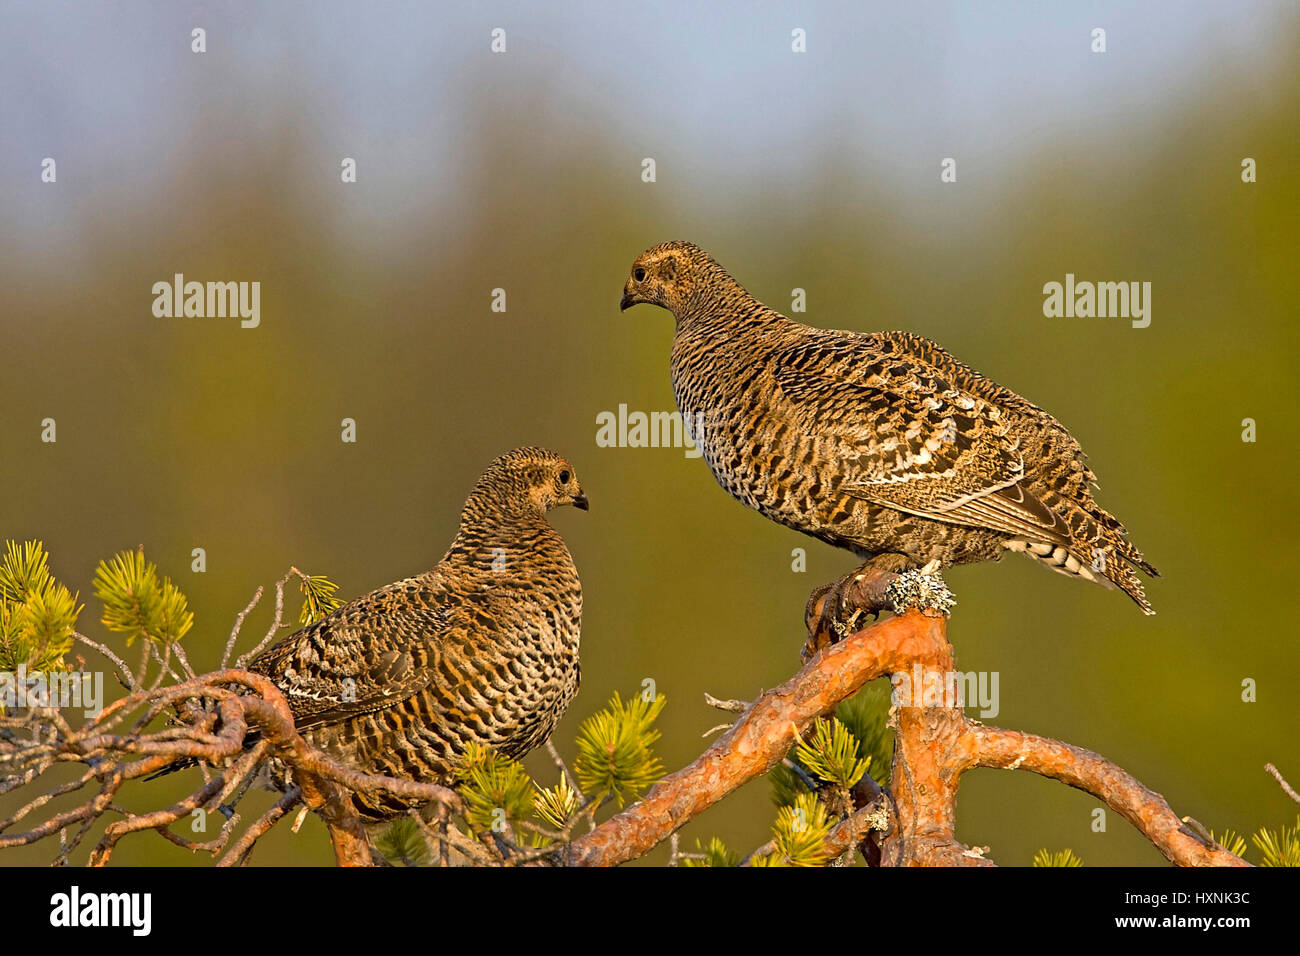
[{"x": 522, "y": 171}]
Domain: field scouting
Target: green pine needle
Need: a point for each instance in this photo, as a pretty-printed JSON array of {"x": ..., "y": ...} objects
[
  {"x": 559, "y": 804},
  {"x": 715, "y": 853},
  {"x": 1066, "y": 857},
  {"x": 318, "y": 599},
  {"x": 496, "y": 789},
  {"x": 864, "y": 717},
  {"x": 1280, "y": 847},
  {"x": 138, "y": 604},
  {"x": 1231, "y": 841},
  {"x": 831, "y": 754},
  {"x": 403, "y": 843},
  {"x": 38, "y": 615},
  {"x": 615, "y": 749},
  {"x": 24, "y": 570},
  {"x": 800, "y": 833}
]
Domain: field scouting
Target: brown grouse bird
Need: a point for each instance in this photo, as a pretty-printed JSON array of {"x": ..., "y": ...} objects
[
  {"x": 482, "y": 648},
  {"x": 881, "y": 443}
]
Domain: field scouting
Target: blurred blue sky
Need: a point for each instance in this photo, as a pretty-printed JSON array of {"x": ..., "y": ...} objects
[{"x": 711, "y": 90}]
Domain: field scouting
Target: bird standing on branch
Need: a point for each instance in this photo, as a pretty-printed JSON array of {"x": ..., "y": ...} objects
[
  {"x": 880, "y": 443},
  {"x": 482, "y": 649}
]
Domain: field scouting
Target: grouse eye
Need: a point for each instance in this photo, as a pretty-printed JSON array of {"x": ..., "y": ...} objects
[
  {"x": 638, "y": 274},
  {"x": 564, "y": 477}
]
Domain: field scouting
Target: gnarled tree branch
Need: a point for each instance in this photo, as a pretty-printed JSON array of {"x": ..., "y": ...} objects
[
  {"x": 911, "y": 823},
  {"x": 244, "y": 702},
  {"x": 934, "y": 746}
]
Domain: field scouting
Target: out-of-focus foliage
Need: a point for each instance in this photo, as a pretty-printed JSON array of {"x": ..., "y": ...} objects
[{"x": 402, "y": 844}]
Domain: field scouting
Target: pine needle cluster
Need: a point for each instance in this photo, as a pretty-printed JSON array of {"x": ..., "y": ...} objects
[
  {"x": 713, "y": 853},
  {"x": 138, "y": 603},
  {"x": 799, "y": 834},
  {"x": 1066, "y": 857},
  {"x": 831, "y": 754},
  {"x": 403, "y": 844},
  {"x": 1230, "y": 840},
  {"x": 833, "y": 757},
  {"x": 860, "y": 720},
  {"x": 318, "y": 598},
  {"x": 496, "y": 789},
  {"x": 38, "y": 615},
  {"x": 559, "y": 804},
  {"x": 1280, "y": 847},
  {"x": 616, "y": 749}
]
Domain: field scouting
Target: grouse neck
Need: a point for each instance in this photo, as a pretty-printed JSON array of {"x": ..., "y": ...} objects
[
  {"x": 731, "y": 309},
  {"x": 487, "y": 519}
]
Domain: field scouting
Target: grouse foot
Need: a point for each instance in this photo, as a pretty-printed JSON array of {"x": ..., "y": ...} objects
[
  {"x": 922, "y": 589},
  {"x": 831, "y": 611},
  {"x": 835, "y": 610}
]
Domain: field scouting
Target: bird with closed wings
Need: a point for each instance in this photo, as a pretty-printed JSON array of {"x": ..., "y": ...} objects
[
  {"x": 877, "y": 442},
  {"x": 482, "y": 648}
]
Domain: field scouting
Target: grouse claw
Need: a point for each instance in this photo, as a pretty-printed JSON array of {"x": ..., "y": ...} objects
[{"x": 924, "y": 590}]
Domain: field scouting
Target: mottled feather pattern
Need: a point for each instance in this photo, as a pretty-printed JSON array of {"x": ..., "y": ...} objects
[
  {"x": 881, "y": 443},
  {"x": 482, "y": 649}
]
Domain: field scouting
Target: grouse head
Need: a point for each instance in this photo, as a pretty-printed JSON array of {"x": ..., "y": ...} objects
[
  {"x": 671, "y": 275},
  {"x": 526, "y": 482}
]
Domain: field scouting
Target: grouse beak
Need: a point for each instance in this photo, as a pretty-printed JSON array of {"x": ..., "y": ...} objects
[
  {"x": 628, "y": 299},
  {"x": 580, "y": 502}
]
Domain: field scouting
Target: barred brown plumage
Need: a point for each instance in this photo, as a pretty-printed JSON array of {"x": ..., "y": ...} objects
[
  {"x": 880, "y": 443},
  {"x": 482, "y": 648}
]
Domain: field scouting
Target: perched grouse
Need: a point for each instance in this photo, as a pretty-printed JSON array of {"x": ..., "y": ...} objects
[
  {"x": 482, "y": 648},
  {"x": 881, "y": 443}
]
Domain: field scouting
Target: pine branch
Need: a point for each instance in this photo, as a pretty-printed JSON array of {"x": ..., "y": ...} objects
[{"x": 934, "y": 746}]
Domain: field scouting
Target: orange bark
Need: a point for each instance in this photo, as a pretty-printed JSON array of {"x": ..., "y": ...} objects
[{"x": 934, "y": 745}]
